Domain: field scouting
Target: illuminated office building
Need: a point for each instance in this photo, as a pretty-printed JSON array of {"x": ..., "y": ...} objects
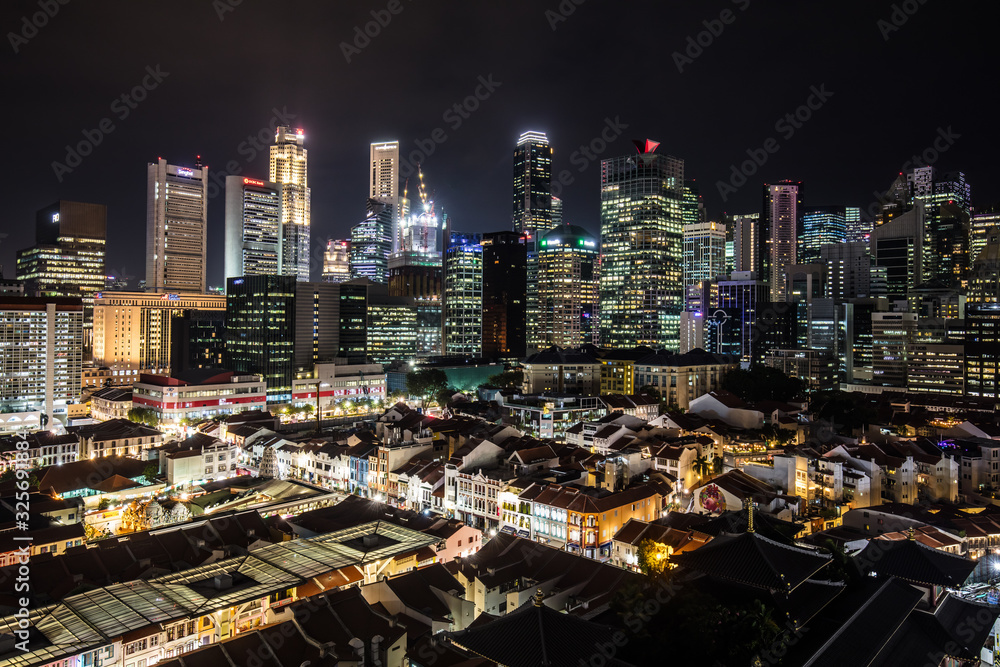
[
  {"x": 383, "y": 180},
  {"x": 68, "y": 257},
  {"x": 893, "y": 335},
  {"x": 782, "y": 206},
  {"x": 176, "y": 227},
  {"x": 532, "y": 208},
  {"x": 337, "y": 261},
  {"x": 289, "y": 168},
  {"x": 704, "y": 260},
  {"x": 133, "y": 332},
  {"x": 463, "y": 294},
  {"x": 856, "y": 229},
  {"x": 985, "y": 228},
  {"x": 557, "y": 212},
  {"x": 568, "y": 262},
  {"x": 982, "y": 349},
  {"x": 641, "y": 290},
  {"x": 821, "y": 225},
  {"x": 277, "y": 326},
  {"x": 371, "y": 243},
  {"x": 253, "y": 228}
]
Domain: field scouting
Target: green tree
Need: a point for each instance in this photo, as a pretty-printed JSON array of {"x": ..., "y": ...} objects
[
  {"x": 151, "y": 471},
  {"x": 103, "y": 504},
  {"x": 653, "y": 558},
  {"x": 842, "y": 408},
  {"x": 513, "y": 379},
  {"x": 652, "y": 391},
  {"x": 142, "y": 415},
  {"x": 426, "y": 383}
]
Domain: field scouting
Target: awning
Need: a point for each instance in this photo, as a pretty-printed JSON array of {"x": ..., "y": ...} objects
[{"x": 507, "y": 529}]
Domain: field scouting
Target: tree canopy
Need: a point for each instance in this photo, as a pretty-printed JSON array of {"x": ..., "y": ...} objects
[
  {"x": 513, "y": 379},
  {"x": 427, "y": 382},
  {"x": 762, "y": 383}
]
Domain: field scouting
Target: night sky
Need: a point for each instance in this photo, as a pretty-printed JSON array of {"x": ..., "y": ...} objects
[{"x": 224, "y": 72}]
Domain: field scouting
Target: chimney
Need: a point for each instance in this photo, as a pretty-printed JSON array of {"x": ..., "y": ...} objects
[
  {"x": 376, "y": 643},
  {"x": 359, "y": 649}
]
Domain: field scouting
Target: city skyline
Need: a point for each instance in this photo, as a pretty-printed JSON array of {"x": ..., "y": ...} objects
[{"x": 469, "y": 168}]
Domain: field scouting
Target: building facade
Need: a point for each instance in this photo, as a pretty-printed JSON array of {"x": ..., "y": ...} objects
[
  {"x": 289, "y": 168},
  {"x": 133, "y": 333},
  {"x": 176, "y": 227},
  {"x": 253, "y": 228},
  {"x": 641, "y": 295},
  {"x": 567, "y": 285},
  {"x": 42, "y": 353}
]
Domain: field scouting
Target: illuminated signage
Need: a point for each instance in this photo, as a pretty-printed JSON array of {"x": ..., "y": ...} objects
[
  {"x": 55, "y": 217},
  {"x": 169, "y": 297},
  {"x": 185, "y": 172},
  {"x": 250, "y": 181}
]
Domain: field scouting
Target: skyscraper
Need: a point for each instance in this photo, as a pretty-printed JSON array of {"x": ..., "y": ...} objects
[
  {"x": 704, "y": 259},
  {"x": 746, "y": 242},
  {"x": 68, "y": 256},
  {"x": 463, "y": 294},
  {"x": 532, "y": 207},
  {"x": 782, "y": 201},
  {"x": 821, "y": 225},
  {"x": 383, "y": 180},
  {"x": 505, "y": 262},
  {"x": 371, "y": 243},
  {"x": 176, "y": 227},
  {"x": 260, "y": 331},
  {"x": 641, "y": 294},
  {"x": 289, "y": 168},
  {"x": 568, "y": 261},
  {"x": 337, "y": 261},
  {"x": 253, "y": 227},
  {"x": 557, "y": 212}
]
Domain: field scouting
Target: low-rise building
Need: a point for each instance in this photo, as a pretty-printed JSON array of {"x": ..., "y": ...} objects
[
  {"x": 680, "y": 378},
  {"x": 117, "y": 437},
  {"x": 550, "y": 415},
  {"x": 198, "y": 458},
  {"x": 199, "y": 394},
  {"x": 111, "y": 403},
  {"x": 562, "y": 371}
]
